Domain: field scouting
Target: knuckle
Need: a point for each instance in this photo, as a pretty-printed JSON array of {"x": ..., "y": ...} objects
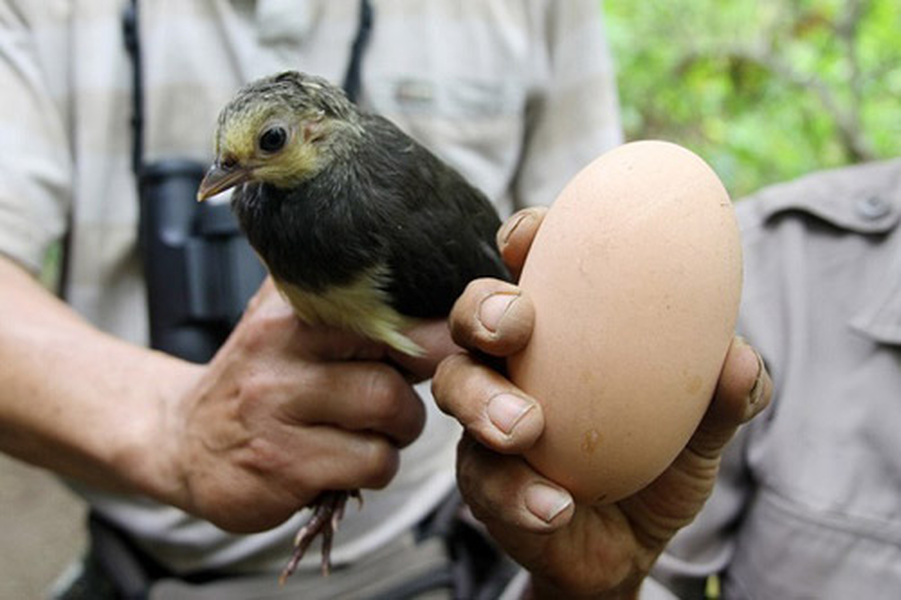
[
  {"x": 383, "y": 394},
  {"x": 396, "y": 410},
  {"x": 383, "y": 462},
  {"x": 473, "y": 481},
  {"x": 464, "y": 322},
  {"x": 266, "y": 325},
  {"x": 253, "y": 390},
  {"x": 444, "y": 381},
  {"x": 261, "y": 456},
  {"x": 515, "y": 329}
]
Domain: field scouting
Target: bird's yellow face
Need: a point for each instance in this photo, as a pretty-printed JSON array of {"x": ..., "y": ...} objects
[
  {"x": 280, "y": 130},
  {"x": 266, "y": 144}
]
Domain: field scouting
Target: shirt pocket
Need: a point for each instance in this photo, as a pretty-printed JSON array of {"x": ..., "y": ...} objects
[
  {"x": 458, "y": 86},
  {"x": 476, "y": 124}
]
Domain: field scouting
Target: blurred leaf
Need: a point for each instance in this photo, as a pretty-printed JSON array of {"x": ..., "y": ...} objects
[{"x": 765, "y": 90}]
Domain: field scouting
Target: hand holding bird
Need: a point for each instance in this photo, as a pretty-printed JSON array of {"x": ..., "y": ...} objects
[{"x": 279, "y": 389}]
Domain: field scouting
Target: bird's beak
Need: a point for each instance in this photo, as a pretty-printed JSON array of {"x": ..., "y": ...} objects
[{"x": 219, "y": 178}]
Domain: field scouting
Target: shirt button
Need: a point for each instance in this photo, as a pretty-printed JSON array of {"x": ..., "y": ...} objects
[{"x": 873, "y": 207}]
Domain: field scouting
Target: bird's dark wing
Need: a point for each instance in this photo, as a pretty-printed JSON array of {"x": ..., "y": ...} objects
[{"x": 442, "y": 237}]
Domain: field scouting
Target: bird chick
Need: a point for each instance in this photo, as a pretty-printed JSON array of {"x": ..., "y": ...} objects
[{"x": 360, "y": 226}]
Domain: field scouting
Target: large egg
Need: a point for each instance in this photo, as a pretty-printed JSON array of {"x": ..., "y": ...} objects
[{"x": 635, "y": 275}]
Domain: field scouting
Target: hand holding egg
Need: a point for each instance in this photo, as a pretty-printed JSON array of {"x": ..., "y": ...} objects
[
  {"x": 636, "y": 278},
  {"x": 585, "y": 547}
]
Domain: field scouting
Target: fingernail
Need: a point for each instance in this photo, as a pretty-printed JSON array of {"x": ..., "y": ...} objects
[
  {"x": 759, "y": 385},
  {"x": 493, "y": 308},
  {"x": 506, "y": 410},
  {"x": 510, "y": 226},
  {"x": 546, "y": 502}
]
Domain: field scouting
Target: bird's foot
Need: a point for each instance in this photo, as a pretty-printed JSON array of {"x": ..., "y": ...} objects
[{"x": 328, "y": 509}]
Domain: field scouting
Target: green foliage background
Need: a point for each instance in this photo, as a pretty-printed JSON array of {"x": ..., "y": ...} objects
[{"x": 764, "y": 90}]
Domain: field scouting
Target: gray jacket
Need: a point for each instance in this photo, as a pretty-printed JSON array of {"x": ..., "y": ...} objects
[{"x": 809, "y": 501}]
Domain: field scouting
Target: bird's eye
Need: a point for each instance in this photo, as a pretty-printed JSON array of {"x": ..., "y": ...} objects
[{"x": 273, "y": 139}]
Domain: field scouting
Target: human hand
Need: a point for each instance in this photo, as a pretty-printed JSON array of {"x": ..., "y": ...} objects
[
  {"x": 281, "y": 413},
  {"x": 571, "y": 550}
]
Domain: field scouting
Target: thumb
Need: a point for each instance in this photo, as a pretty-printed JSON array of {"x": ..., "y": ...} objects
[
  {"x": 673, "y": 499},
  {"x": 743, "y": 391}
]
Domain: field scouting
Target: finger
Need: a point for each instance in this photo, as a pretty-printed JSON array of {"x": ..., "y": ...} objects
[
  {"x": 265, "y": 294},
  {"x": 492, "y": 316},
  {"x": 284, "y": 469},
  {"x": 433, "y": 336},
  {"x": 359, "y": 396},
  {"x": 673, "y": 499},
  {"x": 268, "y": 311},
  {"x": 514, "y": 239},
  {"x": 322, "y": 343},
  {"x": 506, "y": 491},
  {"x": 490, "y": 408},
  {"x": 330, "y": 458},
  {"x": 743, "y": 391}
]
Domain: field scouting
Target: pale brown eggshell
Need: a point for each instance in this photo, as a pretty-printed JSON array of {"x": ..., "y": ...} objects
[{"x": 636, "y": 276}]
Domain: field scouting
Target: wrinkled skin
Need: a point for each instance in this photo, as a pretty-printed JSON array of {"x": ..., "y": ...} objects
[{"x": 286, "y": 410}]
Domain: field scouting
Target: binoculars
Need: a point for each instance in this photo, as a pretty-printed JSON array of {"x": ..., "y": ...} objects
[{"x": 199, "y": 269}]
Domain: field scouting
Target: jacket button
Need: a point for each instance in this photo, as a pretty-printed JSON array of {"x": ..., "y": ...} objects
[{"x": 873, "y": 207}]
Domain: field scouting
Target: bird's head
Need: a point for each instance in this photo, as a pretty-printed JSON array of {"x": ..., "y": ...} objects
[{"x": 280, "y": 130}]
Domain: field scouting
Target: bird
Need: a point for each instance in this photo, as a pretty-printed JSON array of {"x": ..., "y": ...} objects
[{"x": 361, "y": 227}]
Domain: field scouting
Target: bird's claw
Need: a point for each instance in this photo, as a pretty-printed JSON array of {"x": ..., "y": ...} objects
[{"x": 328, "y": 509}]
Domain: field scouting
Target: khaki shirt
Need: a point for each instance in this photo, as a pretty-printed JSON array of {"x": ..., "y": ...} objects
[
  {"x": 517, "y": 94},
  {"x": 809, "y": 501}
]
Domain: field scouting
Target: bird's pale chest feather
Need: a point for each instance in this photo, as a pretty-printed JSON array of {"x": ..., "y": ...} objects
[{"x": 361, "y": 306}]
